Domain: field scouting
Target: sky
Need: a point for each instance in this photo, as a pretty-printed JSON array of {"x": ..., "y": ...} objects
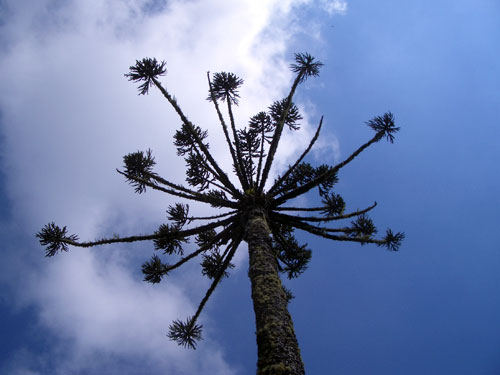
[{"x": 68, "y": 116}]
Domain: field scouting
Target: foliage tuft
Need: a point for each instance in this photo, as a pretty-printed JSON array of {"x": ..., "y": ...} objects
[
  {"x": 185, "y": 333},
  {"x": 225, "y": 87},
  {"x": 197, "y": 173},
  {"x": 169, "y": 239},
  {"x": 140, "y": 165},
  {"x": 207, "y": 239},
  {"x": 212, "y": 264},
  {"x": 154, "y": 270},
  {"x": 384, "y": 125},
  {"x": 305, "y": 172},
  {"x": 334, "y": 205},
  {"x": 277, "y": 111},
  {"x": 145, "y": 70},
  {"x": 393, "y": 240},
  {"x": 185, "y": 141},
  {"x": 217, "y": 195},
  {"x": 306, "y": 66},
  {"x": 363, "y": 227},
  {"x": 262, "y": 124},
  {"x": 293, "y": 257},
  {"x": 288, "y": 294},
  {"x": 55, "y": 239},
  {"x": 178, "y": 214}
]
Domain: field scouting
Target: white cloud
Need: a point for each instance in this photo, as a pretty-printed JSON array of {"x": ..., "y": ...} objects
[
  {"x": 68, "y": 117},
  {"x": 95, "y": 307},
  {"x": 334, "y": 6}
]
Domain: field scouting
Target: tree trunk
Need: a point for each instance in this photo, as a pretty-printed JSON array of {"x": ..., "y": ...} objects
[{"x": 277, "y": 346}]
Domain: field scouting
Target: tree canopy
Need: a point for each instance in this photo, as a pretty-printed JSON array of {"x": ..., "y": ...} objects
[{"x": 252, "y": 149}]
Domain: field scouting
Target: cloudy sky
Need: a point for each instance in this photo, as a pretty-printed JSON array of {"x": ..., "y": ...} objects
[{"x": 67, "y": 117}]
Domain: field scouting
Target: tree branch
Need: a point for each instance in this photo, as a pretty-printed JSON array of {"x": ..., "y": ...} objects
[
  {"x": 197, "y": 197},
  {"x": 226, "y": 133},
  {"x": 232, "y": 246},
  {"x": 317, "y": 181},
  {"x": 328, "y": 218},
  {"x": 216, "y": 176},
  {"x": 194, "y": 254},
  {"x": 277, "y": 133},
  {"x": 323, "y": 232},
  {"x": 245, "y": 178},
  {"x": 221, "y": 175},
  {"x": 261, "y": 156},
  {"x": 189, "y": 194},
  {"x": 172, "y": 185},
  {"x": 261, "y": 152},
  {"x": 290, "y": 170},
  {"x": 192, "y": 218},
  {"x": 180, "y": 233}
]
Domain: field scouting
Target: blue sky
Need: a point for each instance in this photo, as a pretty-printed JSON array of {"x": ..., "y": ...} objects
[{"x": 67, "y": 116}]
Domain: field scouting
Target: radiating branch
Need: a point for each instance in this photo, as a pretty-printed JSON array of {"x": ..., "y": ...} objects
[
  {"x": 203, "y": 228},
  {"x": 192, "y": 196},
  {"x": 277, "y": 135},
  {"x": 173, "y": 185},
  {"x": 211, "y": 170},
  {"x": 221, "y": 236},
  {"x": 323, "y": 233},
  {"x": 360, "y": 232},
  {"x": 232, "y": 247},
  {"x": 245, "y": 178},
  {"x": 261, "y": 123},
  {"x": 193, "y": 218},
  {"x": 225, "y": 130},
  {"x": 305, "y": 67},
  {"x": 278, "y": 183},
  {"x": 188, "y": 333},
  {"x": 222, "y": 176},
  {"x": 330, "y": 172},
  {"x": 183, "y": 193},
  {"x": 219, "y": 186},
  {"x": 305, "y": 209},
  {"x": 56, "y": 239},
  {"x": 225, "y": 88},
  {"x": 327, "y": 218},
  {"x": 261, "y": 157}
]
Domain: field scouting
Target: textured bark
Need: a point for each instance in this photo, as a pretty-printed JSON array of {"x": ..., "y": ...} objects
[{"x": 277, "y": 346}]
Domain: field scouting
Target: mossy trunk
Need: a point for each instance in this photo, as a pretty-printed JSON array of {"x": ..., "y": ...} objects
[{"x": 277, "y": 346}]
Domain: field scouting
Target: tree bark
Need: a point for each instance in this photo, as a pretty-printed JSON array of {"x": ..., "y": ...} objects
[{"x": 277, "y": 346}]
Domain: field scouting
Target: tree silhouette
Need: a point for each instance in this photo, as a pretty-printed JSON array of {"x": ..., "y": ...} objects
[{"x": 248, "y": 212}]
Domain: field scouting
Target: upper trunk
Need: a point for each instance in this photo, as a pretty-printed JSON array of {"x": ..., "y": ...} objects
[{"x": 278, "y": 350}]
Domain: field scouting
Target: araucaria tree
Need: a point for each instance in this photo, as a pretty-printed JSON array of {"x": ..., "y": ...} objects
[{"x": 247, "y": 208}]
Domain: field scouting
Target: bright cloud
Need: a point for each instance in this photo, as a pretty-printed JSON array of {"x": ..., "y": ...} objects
[
  {"x": 334, "y": 6},
  {"x": 68, "y": 117},
  {"x": 100, "y": 307}
]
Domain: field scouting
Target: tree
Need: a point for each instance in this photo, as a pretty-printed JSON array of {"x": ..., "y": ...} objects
[{"x": 248, "y": 212}]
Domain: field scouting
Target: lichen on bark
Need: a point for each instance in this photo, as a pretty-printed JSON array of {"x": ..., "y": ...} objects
[{"x": 278, "y": 349}]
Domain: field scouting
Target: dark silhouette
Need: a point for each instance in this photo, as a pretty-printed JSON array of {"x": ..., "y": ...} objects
[{"x": 247, "y": 212}]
